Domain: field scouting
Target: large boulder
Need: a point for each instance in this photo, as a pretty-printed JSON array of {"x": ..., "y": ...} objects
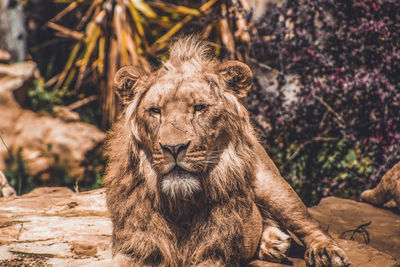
[
  {"x": 44, "y": 141},
  {"x": 387, "y": 192},
  {"x": 57, "y": 227},
  {"x": 47, "y": 141},
  {"x": 361, "y": 221}
]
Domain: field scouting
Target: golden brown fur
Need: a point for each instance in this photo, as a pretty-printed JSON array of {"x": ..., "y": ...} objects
[
  {"x": 387, "y": 189},
  {"x": 185, "y": 169}
]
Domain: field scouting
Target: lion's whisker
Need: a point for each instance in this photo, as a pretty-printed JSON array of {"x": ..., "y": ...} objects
[{"x": 210, "y": 161}]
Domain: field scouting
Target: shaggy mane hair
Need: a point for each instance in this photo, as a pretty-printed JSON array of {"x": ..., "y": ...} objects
[{"x": 132, "y": 184}]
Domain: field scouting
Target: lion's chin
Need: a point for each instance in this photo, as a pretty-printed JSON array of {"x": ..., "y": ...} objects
[{"x": 180, "y": 183}]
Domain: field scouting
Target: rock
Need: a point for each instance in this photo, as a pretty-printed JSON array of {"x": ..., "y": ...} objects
[
  {"x": 66, "y": 114},
  {"x": 22, "y": 70},
  {"x": 387, "y": 191},
  {"x": 4, "y": 56},
  {"x": 57, "y": 227},
  {"x": 338, "y": 215},
  {"x": 54, "y": 142},
  {"x": 360, "y": 255},
  {"x": 268, "y": 79},
  {"x": 260, "y": 7},
  {"x": 6, "y": 189},
  {"x": 46, "y": 142},
  {"x": 54, "y": 226}
]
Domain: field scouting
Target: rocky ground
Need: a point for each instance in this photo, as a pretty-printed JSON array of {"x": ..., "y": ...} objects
[{"x": 57, "y": 227}]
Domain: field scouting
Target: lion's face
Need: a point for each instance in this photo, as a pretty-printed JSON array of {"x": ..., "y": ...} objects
[{"x": 182, "y": 118}]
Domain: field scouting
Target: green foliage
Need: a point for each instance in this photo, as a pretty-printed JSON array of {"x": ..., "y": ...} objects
[
  {"x": 94, "y": 171},
  {"x": 338, "y": 167},
  {"x": 90, "y": 113},
  {"x": 19, "y": 178},
  {"x": 17, "y": 174},
  {"x": 43, "y": 100},
  {"x": 341, "y": 132}
]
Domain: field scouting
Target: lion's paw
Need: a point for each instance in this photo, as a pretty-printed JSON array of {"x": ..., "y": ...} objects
[
  {"x": 326, "y": 254},
  {"x": 274, "y": 244}
]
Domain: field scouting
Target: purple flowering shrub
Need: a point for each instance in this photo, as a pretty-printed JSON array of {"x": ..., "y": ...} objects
[{"x": 342, "y": 132}]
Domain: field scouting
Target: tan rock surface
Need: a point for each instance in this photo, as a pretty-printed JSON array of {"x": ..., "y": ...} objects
[
  {"x": 360, "y": 255},
  {"x": 54, "y": 226},
  {"x": 55, "y": 138},
  {"x": 44, "y": 139},
  {"x": 339, "y": 215},
  {"x": 57, "y": 227}
]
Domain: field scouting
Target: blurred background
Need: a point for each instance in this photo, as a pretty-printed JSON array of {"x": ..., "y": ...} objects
[{"x": 325, "y": 100}]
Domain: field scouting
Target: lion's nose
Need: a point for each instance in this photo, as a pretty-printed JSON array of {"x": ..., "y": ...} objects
[{"x": 174, "y": 149}]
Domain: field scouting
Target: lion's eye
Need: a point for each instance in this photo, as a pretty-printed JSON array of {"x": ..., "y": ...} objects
[
  {"x": 155, "y": 110},
  {"x": 199, "y": 107}
]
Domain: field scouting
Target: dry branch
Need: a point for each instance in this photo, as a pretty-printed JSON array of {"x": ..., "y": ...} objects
[{"x": 64, "y": 31}]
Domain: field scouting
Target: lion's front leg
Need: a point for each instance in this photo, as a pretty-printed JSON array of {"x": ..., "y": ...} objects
[
  {"x": 143, "y": 239},
  {"x": 279, "y": 199},
  {"x": 144, "y": 248},
  {"x": 216, "y": 244},
  {"x": 218, "y": 239}
]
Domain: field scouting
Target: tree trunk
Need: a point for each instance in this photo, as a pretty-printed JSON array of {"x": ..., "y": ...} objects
[{"x": 12, "y": 29}]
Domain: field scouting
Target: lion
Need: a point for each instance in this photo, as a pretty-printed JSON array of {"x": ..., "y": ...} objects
[
  {"x": 187, "y": 182},
  {"x": 387, "y": 189}
]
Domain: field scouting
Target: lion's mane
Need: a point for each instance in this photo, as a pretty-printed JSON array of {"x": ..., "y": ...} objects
[{"x": 132, "y": 183}]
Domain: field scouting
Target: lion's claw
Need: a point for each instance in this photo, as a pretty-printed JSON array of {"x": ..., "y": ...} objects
[
  {"x": 326, "y": 254},
  {"x": 274, "y": 244}
]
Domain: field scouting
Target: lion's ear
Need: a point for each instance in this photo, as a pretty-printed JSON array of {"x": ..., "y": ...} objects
[
  {"x": 125, "y": 80},
  {"x": 238, "y": 77}
]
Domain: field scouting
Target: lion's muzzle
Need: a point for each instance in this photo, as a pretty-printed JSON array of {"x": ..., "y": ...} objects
[
  {"x": 174, "y": 156},
  {"x": 179, "y": 182}
]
